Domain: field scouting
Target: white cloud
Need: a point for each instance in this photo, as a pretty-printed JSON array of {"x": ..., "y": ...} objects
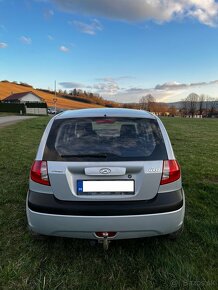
[
  {"x": 48, "y": 13},
  {"x": 109, "y": 88},
  {"x": 114, "y": 79},
  {"x": 170, "y": 85},
  {"x": 167, "y": 92},
  {"x": 50, "y": 37},
  {"x": 64, "y": 48},
  {"x": 214, "y": 82},
  {"x": 26, "y": 40},
  {"x": 136, "y": 90},
  {"x": 105, "y": 88},
  {"x": 178, "y": 86},
  {"x": 72, "y": 85},
  {"x": 88, "y": 28},
  {"x": 205, "y": 11},
  {"x": 3, "y": 45}
]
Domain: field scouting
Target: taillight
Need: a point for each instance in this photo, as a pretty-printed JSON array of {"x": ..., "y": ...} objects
[
  {"x": 171, "y": 171},
  {"x": 39, "y": 172}
]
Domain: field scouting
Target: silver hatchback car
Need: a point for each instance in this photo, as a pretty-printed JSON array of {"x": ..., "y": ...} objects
[{"x": 105, "y": 174}]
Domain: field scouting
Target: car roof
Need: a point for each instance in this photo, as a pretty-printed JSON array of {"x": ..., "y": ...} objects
[{"x": 108, "y": 112}]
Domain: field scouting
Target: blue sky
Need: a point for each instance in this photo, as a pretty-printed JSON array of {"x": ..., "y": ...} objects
[{"x": 120, "y": 49}]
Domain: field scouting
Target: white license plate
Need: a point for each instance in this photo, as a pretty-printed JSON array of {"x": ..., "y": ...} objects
[{"x": 104, "y": 186}]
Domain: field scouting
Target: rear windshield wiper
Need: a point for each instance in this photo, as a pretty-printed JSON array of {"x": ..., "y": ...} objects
[
  {"x": 100, "y": 155},
  {"x": 97, "y": 155}
]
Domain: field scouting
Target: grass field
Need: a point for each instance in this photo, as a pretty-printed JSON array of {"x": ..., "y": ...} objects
[{"x": 152, "y": 263}]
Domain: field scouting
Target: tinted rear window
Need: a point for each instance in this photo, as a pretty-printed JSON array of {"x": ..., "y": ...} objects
[{"x": 105, "y": 139}]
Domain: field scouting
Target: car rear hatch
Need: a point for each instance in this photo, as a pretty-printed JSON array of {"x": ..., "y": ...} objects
[{"x": 105, "y": 158}]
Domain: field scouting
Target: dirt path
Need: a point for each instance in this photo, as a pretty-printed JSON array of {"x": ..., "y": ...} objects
[{"x": 8, "y": 120}]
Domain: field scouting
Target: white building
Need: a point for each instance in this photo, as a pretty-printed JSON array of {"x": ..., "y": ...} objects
[
  {"x": 31, "y": 101},
  {"x": 23, "y": 98}
]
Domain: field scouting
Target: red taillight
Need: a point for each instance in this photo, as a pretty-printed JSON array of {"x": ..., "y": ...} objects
[
  {"x": 171, "y": 171},
  {"x": 39, "y": 172}
]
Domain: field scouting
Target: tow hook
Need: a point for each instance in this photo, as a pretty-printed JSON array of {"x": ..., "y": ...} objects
[
  {"x": 105, "y": 241},
  {"x": 103, "y": 238}
]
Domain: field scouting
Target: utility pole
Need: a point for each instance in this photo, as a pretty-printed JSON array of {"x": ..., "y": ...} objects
[{"x": 55, "y": 98}]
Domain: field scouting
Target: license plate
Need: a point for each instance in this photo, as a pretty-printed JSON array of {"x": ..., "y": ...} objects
[{"x": 106, "y": 186}]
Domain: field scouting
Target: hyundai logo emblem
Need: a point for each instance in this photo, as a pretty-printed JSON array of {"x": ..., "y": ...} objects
[{"x": 105, "y": 171}]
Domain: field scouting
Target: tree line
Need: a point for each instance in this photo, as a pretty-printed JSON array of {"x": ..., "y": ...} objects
[
  {"x": 199, "y": 105},
  {"x": 149, "y": 103},
  {"x": 192, "y": 106}
]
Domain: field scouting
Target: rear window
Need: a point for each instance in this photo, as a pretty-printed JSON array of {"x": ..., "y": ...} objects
[{"x": 105, "y": 139}]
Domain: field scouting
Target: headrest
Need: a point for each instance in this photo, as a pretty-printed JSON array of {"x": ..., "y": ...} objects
[{"x": 128, "y": 131}]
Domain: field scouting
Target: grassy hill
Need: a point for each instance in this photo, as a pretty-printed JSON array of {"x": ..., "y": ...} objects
[{"x": 7, "y": 88}]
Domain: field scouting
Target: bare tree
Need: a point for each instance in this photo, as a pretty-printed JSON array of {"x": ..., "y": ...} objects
[
  {"x": 192, "y": 104},
  {"x": 184, "y": 107},
  {"x": 201, "y": 102},
  {"x": 172, "y": 111},
  {"x": 146, "y": 102},
  {"x": 207, "y": 105},
  {"x": 211, "y": 105}
]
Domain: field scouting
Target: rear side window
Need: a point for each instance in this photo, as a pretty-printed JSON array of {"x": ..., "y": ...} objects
[{"x": 105, "y": 139}]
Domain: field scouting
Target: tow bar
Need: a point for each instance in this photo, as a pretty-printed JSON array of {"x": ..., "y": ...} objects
[
  {"x": 105, "y": 241},
  {"x": 105, "y": 236}
]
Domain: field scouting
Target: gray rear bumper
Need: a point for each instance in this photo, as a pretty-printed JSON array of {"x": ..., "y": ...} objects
[{"x": 126, "y": 226}]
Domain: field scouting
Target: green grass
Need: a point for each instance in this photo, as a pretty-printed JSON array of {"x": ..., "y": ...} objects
[{"x": 152, "y": 263}]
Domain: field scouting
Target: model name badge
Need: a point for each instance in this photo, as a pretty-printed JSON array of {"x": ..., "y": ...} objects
[{"x": 153, "y": 170}]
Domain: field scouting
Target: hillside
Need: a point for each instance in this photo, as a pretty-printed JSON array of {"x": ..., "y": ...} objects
[{"x": 6, "y": 88}]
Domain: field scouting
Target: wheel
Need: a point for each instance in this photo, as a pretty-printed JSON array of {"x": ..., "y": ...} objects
[{"x": 177, "y": 234}]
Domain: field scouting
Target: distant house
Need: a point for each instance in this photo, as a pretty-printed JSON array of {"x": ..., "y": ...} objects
[
  {"x": 24, "y": 98},
  {"x": 30, "y": 102}
]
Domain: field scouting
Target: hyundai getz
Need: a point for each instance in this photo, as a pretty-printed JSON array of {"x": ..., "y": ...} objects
[{"x": 105, "y": 174}]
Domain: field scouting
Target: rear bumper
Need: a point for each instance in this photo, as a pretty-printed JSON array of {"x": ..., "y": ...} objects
[
  {"x": 48, "y": 204},
  {"x": 126, "y": 226}
]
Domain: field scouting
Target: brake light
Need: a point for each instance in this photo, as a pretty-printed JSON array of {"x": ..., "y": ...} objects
[
  {"x": 105, "y": 121},
  {"x": 171, "y": 172},
  {"x": 39, "y": 172}
]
